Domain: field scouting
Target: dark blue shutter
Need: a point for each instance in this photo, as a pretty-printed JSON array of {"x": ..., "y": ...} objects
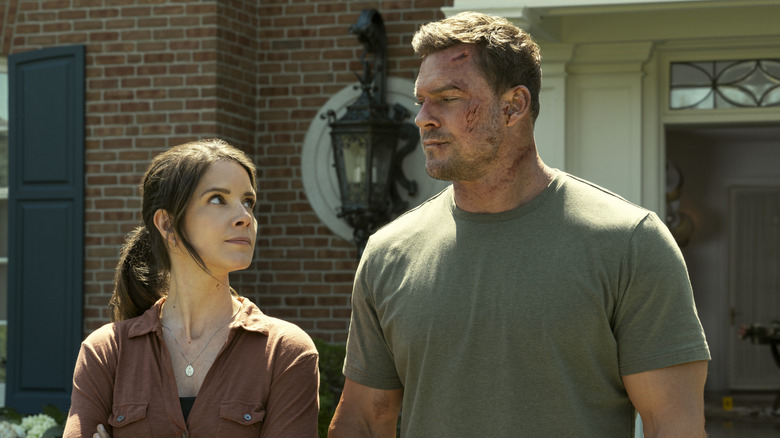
[{"x": 46, "y": 222}]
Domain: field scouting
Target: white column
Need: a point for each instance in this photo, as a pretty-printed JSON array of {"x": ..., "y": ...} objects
[
  {"x": 604, "y": 115},
  {"x": 550, "y": 129}
]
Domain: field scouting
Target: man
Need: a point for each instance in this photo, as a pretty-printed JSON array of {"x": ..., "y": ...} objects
[{"x": 520, "y": 301}]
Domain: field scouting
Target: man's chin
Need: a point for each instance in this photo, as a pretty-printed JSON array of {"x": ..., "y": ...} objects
[{"x": 437, "y": 173}]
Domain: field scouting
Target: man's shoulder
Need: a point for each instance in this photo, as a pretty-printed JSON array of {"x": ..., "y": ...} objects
[
  {"x": 589, "y": 197},
  {"x": 431, "y": 208}
]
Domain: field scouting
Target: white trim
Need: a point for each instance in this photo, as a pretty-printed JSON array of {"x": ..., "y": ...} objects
[{"x": 580, "y": 7}]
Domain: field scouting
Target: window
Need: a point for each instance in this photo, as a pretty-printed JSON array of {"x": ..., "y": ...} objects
[
  {"x": 725, "y": 84},
  {"x": 3, "y": 222}
]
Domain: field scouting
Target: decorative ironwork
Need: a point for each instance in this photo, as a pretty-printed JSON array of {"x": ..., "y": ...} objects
[
  {"x": 365, "y": 141},
  {"x": 725, "y": 84}
]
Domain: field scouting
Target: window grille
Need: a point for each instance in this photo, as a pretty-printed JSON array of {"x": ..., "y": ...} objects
[{"x": 725, "y": 84}]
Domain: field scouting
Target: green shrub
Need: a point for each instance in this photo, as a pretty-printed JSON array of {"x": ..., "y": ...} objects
[
  {"x": 49, "y": 424},
  {"x": 331, "y": 381}
]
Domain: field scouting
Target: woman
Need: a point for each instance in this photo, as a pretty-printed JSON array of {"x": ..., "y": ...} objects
[{"x": 185, "y": 355}]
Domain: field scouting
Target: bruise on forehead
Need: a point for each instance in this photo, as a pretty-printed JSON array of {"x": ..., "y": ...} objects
[
  {"x": 448, "y": 61},
  {"x": 461, "y": 56}
]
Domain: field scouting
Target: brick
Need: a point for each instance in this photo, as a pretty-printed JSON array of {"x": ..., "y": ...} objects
[
  {"x": 184, "y": 117},
  {"x": 167, "y": 105},
  {"x": 153, "y": 58},
  {"x": 156, "y": 130},
  {"x": 41, "y": 16},
  {"x": 119, "y": 71},
  {"x": 120, "y": 23},
  {"x": 169, "y": 10},
  {"x": 97, "y": 84},
  {"x": 118, "y": 119},
  {"x": 299, "y": 9},
  {"x": 138, "y": 82},
  {"x": 184, "y": 21},
  {"x": 184, "y": 45},
  {"x": 57, "y": 27},
  {"x": 103, "y": 36},
  {"x": 150, "y": 118},
  {"x": 328, "y": 324},
  {"x": 143, "y": 11},
  {"x": 134, "y": 106},
  {"x": 331, "y": 8},
  {"x": 136, "y": 35},
  {"x": 154, "y": 22},
  {"x": 103, "y": 13},
  {"x": 151, "y": 46},
  {"x": 152, "y": 70},
  {"x": 72, "y": 38}
]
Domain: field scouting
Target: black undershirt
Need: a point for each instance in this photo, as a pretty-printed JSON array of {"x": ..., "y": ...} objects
[{"x": 186, "y": 405}]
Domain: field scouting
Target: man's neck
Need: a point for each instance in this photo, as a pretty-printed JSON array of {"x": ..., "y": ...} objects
[{"x": 494, "y": 194}]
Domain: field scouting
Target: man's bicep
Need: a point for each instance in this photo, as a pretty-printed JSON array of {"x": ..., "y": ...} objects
[
  {"x": 363, "y": 410},
  {"x": 671, "y": 397}
]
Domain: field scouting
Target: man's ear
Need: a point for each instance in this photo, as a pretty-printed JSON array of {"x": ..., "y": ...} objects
[
  {"x": 517, "y": 102},
  {"x": 162, "y": 222}
]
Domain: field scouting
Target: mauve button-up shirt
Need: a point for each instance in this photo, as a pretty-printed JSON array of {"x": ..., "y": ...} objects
[{"x": 263, "y": 383}]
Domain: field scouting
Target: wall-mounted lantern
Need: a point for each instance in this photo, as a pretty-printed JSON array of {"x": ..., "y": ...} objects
[{"x": 366, "y": 139}]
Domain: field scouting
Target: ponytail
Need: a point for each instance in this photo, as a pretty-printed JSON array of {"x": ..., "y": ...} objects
[{"x": 140, "y": 280}]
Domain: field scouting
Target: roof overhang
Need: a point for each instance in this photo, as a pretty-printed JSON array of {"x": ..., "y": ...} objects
[{"x": 544, "y": 18}]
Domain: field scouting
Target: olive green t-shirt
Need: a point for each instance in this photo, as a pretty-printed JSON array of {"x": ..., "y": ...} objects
[{"x": 521, "y": 323}]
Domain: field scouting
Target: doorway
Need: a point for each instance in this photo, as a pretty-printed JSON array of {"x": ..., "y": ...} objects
[
  {"x": 731, "y": 174},
  {"x": 754, "y": 279}
]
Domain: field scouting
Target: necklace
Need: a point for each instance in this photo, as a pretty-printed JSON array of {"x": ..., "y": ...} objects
[{"x": 189, "y": 371}]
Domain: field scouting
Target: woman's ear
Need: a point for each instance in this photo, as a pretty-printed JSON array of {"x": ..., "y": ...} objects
[
  {"x": 517, "y": 104},
  {"x": 162, "y": 222}
]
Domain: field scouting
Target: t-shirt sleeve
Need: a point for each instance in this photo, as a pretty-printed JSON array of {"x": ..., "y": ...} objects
[
  {"x": 93, "y": 383},
  {"x": 656, "y": 323},
  {"x": 369, "y": 360}
]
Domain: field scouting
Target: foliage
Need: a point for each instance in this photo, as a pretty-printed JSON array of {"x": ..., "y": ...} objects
[
  {"x": 331, "y": 381},
  {"x": 759, "y": 333},
  {"x": 49, "y": 424}
]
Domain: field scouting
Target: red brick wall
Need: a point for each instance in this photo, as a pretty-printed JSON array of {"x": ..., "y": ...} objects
[{"x": 160, "y": 73}]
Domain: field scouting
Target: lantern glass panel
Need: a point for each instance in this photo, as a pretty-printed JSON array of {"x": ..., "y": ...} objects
[
  {"x": 354, "y": 149},
  {"x": 382, "y": 160}
]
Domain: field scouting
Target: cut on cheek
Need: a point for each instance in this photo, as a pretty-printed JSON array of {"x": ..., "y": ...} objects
[{"x": 470, "y": 118}]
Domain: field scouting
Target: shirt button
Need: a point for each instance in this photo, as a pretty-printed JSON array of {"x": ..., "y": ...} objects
[
  {"x": 120, "y": 418},
  {"x": 247, "y": 417}
]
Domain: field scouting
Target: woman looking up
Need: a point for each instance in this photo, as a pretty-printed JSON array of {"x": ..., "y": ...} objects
[{"x": 186, "y": 355}]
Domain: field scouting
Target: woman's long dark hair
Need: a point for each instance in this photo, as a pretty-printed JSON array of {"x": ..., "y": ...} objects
[{"x": 142, "y": 273}]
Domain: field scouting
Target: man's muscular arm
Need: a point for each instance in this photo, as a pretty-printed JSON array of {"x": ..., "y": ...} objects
[{"x": 366, "y": 412}]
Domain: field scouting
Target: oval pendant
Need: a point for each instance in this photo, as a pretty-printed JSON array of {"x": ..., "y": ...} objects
[{"x": 189, "y": 371}]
